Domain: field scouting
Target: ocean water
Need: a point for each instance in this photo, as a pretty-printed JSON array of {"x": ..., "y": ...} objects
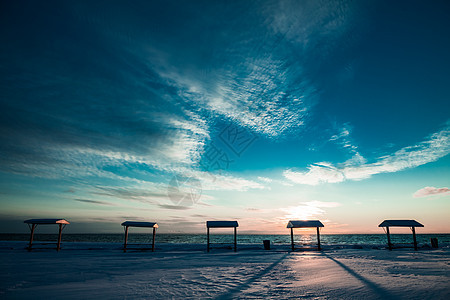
[{"x": 326, "y": 239}]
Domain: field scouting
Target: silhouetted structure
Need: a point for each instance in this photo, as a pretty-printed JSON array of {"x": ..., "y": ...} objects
[
  {"x": 222, "y": 224},
  {"x": 33, "y": 223},
  {"x": 128, "y": 224},
  {"x": 400, "y": 223},
  {"x": 305, "y": 224}
]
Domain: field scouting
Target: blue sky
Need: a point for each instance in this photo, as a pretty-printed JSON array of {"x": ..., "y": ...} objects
[{"x": 259, "y": 111}]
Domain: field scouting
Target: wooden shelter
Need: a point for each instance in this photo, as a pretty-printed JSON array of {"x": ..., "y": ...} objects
[
  {"x": 33, "y": 223},
  {"x": 128, "y": 224},
  {"x": 401, "y": 223},
  {"x": 305, "y": 224},
  {"x": 222, "y": 224}
]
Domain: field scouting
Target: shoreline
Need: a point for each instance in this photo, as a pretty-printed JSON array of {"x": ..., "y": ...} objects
[{"x": 168, "y": 247}]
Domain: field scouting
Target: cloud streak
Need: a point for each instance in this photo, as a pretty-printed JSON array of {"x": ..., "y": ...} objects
[
  {"x": 436, "y": 147},
  {"x": 174, "y": 207},
  {"x": 94, "y": 202},
  {"x": 431, "y": 191}
]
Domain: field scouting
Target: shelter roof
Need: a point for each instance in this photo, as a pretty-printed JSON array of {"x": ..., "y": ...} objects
[
  {"x": 212, "y": 224},
  {"x": 304, "y": 223},
  {"x": 400, "y": 223}
]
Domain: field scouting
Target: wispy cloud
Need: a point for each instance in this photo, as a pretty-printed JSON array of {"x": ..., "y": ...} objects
[
  {"x": 131, "y": 193},
  {"x": 310, "y": 24},
  {"x": 265, "y": 179},
  {"x": 253, "y": 209},
  {"x": 317, "y": 173},
  {"x": 94, "y": 202},
  {"x": 262, "y": 94},
  {"x": 199, "y": 216},
  {"x": 437, "y": 146},
  {"x": 228, "y": 182},
  {"x": 174, "y": 207},
  {"x": 344, "y": 139},
  {"x": 431, "y": 191}
]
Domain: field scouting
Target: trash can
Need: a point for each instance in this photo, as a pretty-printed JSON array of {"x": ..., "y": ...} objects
[
  {"x": 434, "y": 243},
  {"x": 266, "y": 244}
]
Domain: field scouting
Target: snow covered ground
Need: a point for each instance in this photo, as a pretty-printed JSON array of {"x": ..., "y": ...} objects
[{"x": 102, "y": 270}]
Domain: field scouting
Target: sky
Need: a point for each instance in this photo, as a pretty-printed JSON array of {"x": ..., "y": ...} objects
[{"x": 179, "y": 112}]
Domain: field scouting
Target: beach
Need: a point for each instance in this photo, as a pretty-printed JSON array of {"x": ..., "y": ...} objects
[{"x": 187, "y": 271}]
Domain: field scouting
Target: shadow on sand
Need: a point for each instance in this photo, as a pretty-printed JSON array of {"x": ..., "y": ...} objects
[
  {"x": 376, "y": 289},
  {"x": 231, "y": 294}
]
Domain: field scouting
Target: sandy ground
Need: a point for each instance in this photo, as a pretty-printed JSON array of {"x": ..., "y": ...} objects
[{"x": 93, "y": 271}]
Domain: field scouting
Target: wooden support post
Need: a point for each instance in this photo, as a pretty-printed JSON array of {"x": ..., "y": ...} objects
[
  {"x": 207, "y": 239},
  {"x": 318, "y": 239},
  {"x": 235, "y": 240},
  {"x": 153, "y": 241},
  {"x": 33, "y": 226},
  {"x": 414, "y": 237},
  {"x": 388, "y": 238},
  {"x": 126, "y": 238},
  {"x": 292, "y": 238},
  {"x": 58, "y": 246}
]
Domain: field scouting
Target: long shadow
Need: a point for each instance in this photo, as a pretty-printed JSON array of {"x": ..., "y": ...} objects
[
  {"x": 250, "y": 281},
  {"x": 378, "y": 290}
]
